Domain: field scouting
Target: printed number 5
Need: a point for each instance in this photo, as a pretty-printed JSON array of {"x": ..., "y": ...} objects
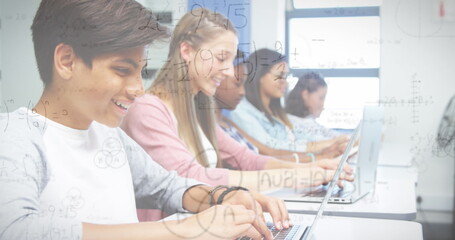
[{"x": 236, "y": 10}]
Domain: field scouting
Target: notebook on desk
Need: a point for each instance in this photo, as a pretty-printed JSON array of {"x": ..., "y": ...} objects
[{"x": 368, "y": 133}]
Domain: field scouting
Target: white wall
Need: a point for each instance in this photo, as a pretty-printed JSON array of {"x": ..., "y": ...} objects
[
  {"x": 268, "y": 24},
  {"x": 158, "y": 52},
  {"x": 1, "y": 20},
  {"x": 418, "y": 46},
  {"x": 21, "y": 85}
]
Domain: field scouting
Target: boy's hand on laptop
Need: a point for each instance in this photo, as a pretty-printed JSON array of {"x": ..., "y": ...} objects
[
  {"x": 275, "y": 207},
  {"x": 223, "y": 222},
  {"x": 258, "y": 203}
]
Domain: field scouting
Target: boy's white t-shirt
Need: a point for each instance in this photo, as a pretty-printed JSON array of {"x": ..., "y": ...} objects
[
  {"x": 90, "y": 178},
  {"x": 49, "y": 187}
]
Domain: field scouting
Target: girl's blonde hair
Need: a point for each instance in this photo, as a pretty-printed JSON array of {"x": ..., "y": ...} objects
[{"x": 172, "y": 83}]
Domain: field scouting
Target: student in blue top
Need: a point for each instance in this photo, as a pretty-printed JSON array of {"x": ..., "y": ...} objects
[
  {"x": 69, "y": 172},
  {"x": 304, "y": 104},
  {"x": 261, "y": 115},
  {"x": 228, "y": 95}
]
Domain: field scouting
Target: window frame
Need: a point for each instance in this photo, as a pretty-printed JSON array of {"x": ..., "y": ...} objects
[{"x": 335, "y": 12}]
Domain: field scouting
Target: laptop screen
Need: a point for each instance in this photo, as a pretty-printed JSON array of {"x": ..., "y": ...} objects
[{"x": 334, "y": 181}]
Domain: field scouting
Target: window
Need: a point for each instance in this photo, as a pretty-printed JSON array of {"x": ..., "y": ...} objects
[
  {"x": 299, "y": 4},
  {"x": 342, "y": 44},
  {"x": 331, "y": 43}
]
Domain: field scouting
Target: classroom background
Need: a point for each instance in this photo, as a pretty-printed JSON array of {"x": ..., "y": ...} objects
[{"x": 403, "y": 61}]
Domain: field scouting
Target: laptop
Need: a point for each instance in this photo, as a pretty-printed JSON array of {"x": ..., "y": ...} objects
[
  {"x": 304, "y": 232},
  {"x": 364, "y": 161}
]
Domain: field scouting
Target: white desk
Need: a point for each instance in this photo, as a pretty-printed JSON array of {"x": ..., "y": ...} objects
[
  {"x": 351, "y": 228},
  {"x": 361, "y": 228},
  {"x": 386, "y": 173},
  {"x": 395, "y": 154},
  {"x": 393, "y": 199}
]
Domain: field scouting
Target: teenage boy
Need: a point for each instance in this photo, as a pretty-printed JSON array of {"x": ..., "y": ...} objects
[{"x": 70, "y": 172}]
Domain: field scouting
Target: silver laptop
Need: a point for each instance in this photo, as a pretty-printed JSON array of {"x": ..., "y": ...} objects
[
  {"x": 305, "y": 231},
  {"x": 364, "y": 163}
]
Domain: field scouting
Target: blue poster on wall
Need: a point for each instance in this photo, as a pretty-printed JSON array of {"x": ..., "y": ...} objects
[{"x": 238, "y": 12}]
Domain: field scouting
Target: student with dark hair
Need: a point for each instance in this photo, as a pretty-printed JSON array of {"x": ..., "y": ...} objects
[
  {"x": 71, "y": 173},
  {"x": 304, "y": 104},
  {"x": 230, "y": 92},
  {"x": 228, "y": 95},
  {"x": 261, "y": 115}
]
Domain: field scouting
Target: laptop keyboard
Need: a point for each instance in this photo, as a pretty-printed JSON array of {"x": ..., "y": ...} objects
[{"x": 284, "y": 234}]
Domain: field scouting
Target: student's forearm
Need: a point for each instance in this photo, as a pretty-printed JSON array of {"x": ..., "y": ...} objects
[
  {"x": 319, "y": 145},
  {"x": 265, "y": 179},
  {"x": 281, "y": 154},
  {"x": 278, "y": 153},
  {"x": 197, "y": 198},
  {"x": 276, "y": 164},
  {"x": 135, "y": 231},
  {"x": 284, "y": 155}
]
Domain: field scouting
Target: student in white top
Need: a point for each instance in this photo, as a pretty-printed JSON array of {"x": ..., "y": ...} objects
[
  {"x": 304, "y": 104},
  {"x": 68, "y": 171}
]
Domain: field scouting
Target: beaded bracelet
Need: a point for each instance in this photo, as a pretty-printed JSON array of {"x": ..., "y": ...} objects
[
  {"x": 212, "y": 192},
  {"x": 313, "y": 159},
  {"x": 221, "y": 197},
  {"x": 296, "y": 157}
]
